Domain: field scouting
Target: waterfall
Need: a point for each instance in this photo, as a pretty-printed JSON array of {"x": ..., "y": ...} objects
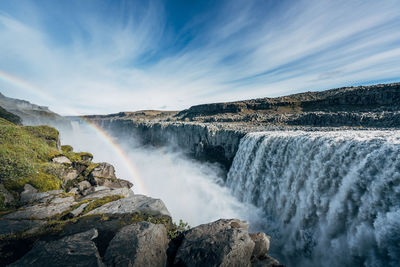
[{"x": 330, "y": 198}]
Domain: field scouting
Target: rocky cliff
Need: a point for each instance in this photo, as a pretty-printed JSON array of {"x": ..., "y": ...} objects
[
  {"x": 213, "y": 131},
  {"x": 58, "y": 208}
]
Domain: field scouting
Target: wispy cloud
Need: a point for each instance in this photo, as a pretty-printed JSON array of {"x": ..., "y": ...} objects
[{"x": 101, "y": 58}]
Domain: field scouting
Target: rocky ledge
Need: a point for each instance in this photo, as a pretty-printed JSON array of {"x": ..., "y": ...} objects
[{"x": 95, "y": 219}]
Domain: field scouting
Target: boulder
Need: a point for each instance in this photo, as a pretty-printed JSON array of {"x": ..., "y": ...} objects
[
  {"x": 82, "y": 186},
  {"x": 43, "y": 210},
  {"x": 15, "y": 226},
  {"x": 220, "y": 243},
  {"x": 74, "y": 250},
  {"x": 61, "y": 160},
  {"x": 69, "y": 174},
  {"x": 266, "y": 261},
  {"x": 261, "y": 247},
  {"x": 28, "y": 189},
  {"x": 39, "y": 196},
  {"x": 8, "y": 197},
  {"x": 103, "y": 170},
  {"x": 139, "y": 244},
  {"x": 94, "y": 189},
  {"x": 112, "y": 183},
  {"x": 74, "y": 190},
  {"x": 135, "y": 203},
  {"x": 124, "y": 192}
]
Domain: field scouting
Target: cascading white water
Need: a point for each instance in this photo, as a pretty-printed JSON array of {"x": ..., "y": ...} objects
[{"x": 332, "y": 198}]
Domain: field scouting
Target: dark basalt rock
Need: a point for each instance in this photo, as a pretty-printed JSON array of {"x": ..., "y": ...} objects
[
  {"x": 74, "y": 250},
  {"x": 221, "y": 243},
  {"x": 139, "y": 244}
]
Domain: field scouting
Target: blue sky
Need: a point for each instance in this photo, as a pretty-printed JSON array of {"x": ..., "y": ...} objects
[{"x": 85, "y": 57}]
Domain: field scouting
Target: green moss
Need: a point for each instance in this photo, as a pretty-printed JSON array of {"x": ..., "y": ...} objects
[
  {"x": 66, "y": 148},
  {"x": 77, "y": 157},
  {"x": 100, "y": 202},
  {"x": 90, "y": 168},
  {"x": 23, "y": 151},
  {"x": 40, "y": 180}
]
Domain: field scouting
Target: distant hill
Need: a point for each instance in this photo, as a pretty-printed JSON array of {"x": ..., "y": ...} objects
[
  {"x": 9, "y": 116},
  {"x": 32, "y": 114},
  {"x": 380, "y": 97}
]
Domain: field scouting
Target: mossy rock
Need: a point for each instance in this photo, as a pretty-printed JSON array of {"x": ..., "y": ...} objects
[{"x": 66, "y": 148}]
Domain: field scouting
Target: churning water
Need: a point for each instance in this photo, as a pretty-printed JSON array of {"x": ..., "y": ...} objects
[{"x": 330, "y": 198}]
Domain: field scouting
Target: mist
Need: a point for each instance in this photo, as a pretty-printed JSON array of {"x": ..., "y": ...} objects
[{"x": 192, "y": 191}]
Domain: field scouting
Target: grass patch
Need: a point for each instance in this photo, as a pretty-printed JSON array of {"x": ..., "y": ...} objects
[{"x": 23, "y": 150}]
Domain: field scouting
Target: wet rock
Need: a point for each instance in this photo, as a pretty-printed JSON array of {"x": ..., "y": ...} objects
[
  {"x": 261, "y": 241},
  {"x": 15, "y": 226},
  {"x": 43, "y": 210},
  {"x": 103, "y": 170},
  {"x": 135, "y": 203},
  {"x": 139, "y": 244},
  {"x": 61, "y": 160},
  {"x": 74, "y": 250},
  {"x": 124, "y": 192},
  {"x": 221, "y": 243}
]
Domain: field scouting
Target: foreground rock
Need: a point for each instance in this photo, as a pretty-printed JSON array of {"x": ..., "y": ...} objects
[
  {"x": 221, "y": 243},
  {"x": 75, "y": 250},
  {"x": 136, "y": 203},
  {"x": 140, "y": 244}
]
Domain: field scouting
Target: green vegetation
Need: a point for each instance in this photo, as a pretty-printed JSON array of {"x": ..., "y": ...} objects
[
  {"x": 177, "y": 229},
  {"x": 90, "y": 168},
  {"x": 24, "y": 151},
  {"x": 66, "y": 148},
  {"x": 9, "y": 116}
]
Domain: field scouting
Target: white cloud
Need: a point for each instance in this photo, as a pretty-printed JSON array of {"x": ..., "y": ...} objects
[{"x": 248, "y": 51}]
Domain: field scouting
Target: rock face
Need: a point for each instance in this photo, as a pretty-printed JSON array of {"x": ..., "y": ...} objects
[
  {"x": 261, "y": 241},
  {"x": 104, "y": 170},
  {"x": 139, "y": 244},
  {"x": 221, "y": 243},
  {"x": 61, "y": 160},
  {"x": 136, "y": 203},
  {"x": 46, "y": 210},
  {"x": 202, "y": 141},
  {"x": 75, "y": 250}
]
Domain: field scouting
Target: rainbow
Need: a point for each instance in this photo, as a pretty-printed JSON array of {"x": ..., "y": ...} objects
[
  {"x": 14, "y": 80},
  {"x": 139, "y": 185}
]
